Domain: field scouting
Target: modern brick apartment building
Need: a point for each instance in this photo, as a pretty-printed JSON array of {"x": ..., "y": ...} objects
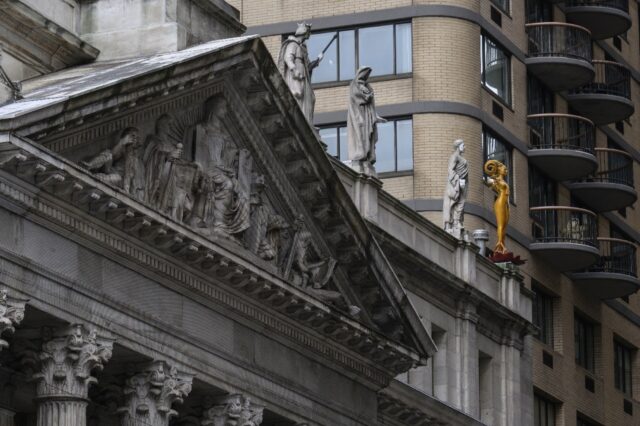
[{"x": 549, "y": 88}]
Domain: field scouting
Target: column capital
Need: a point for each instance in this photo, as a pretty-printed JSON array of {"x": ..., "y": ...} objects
[
  {"x": 233, "y": 410},
  {"x": 11, "y": 314},
  {"x": 150, "y": 394},
  {"x": 66, "y": 361}
]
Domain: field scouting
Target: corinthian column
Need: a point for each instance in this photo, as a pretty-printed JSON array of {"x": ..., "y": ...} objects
[
  {"x": 11, "y": 314},
  {"x": 233, "y": 410},
  {"x": 64, "y": 376},
  {"x": 150, "y": 394}
]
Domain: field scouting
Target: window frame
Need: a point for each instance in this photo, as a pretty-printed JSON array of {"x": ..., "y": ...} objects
[
  {"x": 621, "y": 381},
  {"x": 395, "y": 121},
  {"x": 509, "y": 149},
  {"x": 356, "y": 29},
  {"x": 506, "y": 9},
  {"x": 509, "y": 91},
  {"x": 549, "y": 299},
  {"x": 589, "y": 361},
  {"x": 540, "y": 401}
]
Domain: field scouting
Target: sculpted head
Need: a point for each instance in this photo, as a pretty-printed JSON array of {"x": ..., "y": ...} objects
[
  {"x": 459, "y": 145},
  {"x": 495, "y": 169},
  {"x": 303, "y": 31},
  {"x": 164, "y": 124},
  {"x": 130, "y": 136}
]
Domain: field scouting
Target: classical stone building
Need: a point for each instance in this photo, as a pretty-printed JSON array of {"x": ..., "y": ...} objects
[{"x": 179, "y": 248}]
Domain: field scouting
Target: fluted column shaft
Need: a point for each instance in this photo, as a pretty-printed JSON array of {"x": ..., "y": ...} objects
[{"x": 62, "y": 412}]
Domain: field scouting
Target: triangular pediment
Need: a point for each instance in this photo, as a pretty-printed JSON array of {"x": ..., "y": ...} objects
[{"x": 213, "y": 141}]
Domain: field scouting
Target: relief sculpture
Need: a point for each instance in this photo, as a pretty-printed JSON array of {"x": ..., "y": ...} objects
[{"x": 192, "y": 169}]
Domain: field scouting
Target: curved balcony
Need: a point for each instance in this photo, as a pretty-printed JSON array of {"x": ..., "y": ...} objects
[
  {"x": 559, "y": 54},
  {"x": 608, "y": 97},
  {"x": 562, "y": 145},
  {"x": 611, "y": 186},
  {"x": 614, "y": 274},
  {"x": 604, "y": 18},
  {"x": 564, "y": 237}
]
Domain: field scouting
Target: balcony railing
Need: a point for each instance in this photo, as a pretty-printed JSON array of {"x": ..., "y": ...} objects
[
  {"x": 614, "y": 166},
  {"x": 560, "y": 224},
  {"x": 561, "y": 131},
  {"x": 556, "y": 39},
  {"x": 611, "y": 78},
  {"x": 616, "y": 256},
  {"x": 614, "y": 4}
]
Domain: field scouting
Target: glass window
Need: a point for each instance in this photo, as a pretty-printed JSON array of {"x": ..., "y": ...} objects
[
  {"x": 538, "y": 11},
  {"x": 584, "y": 339},
  {"x": 496, "y": 69},
  {"x": 581, "y": 421},
  {"x": 502, "y": 4},
  {"x": 387, "y": 49},
  {"x": 540, "y": 100},
  {"x": 622, "y": 356},
  {"x": 542, "y": 190},
  {"x": 543, "y": 315},
  {"x": 394, "y": 150},
  {"x": 495, "y": 149},
  {"x": 544, "y": 411}
]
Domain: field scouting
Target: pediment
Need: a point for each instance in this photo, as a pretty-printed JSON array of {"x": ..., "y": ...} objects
[{"x": 222, "y": 149}]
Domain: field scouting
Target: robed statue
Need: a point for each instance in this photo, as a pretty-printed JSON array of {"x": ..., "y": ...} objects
[
  {"x": 362, "y": 120},
  {"x": 294, "y": 64},
  {"x": 455, "y": 194}
]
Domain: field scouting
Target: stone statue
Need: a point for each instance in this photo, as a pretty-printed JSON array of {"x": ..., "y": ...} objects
[
  {"x": 178, "y": 184},
  {"x": 362, "y": 120},
  {"x": 315, "y": 274},
  {"x": 263, "y": 238},
  {"x": 496, "y": 181},
  {"x": 455, "y": 194},
  {"x": 296, "y": 68},
  {"x": 158, "y": 149},
  {"x": 121, "y": 165}
]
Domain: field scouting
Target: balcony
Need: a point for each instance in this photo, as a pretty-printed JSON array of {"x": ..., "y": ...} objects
[
  {"x": 614, "y": 274},
  {"x": 607, "y": 98},
  {"x": 564, "y": 237},
  {"x": 562, "y": 145},
  {"x": 559, "y": 54},
  {"x": 604, "y": 18},
  {"x": 611, "y": 186}
]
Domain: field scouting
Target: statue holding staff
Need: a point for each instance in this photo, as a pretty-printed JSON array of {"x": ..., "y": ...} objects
[{"x": 296, "y": 68}]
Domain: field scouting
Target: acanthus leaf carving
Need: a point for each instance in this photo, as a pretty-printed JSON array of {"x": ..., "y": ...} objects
[
  {"x": 11, "y": 314},
  {"x": 233, "y": 410}
]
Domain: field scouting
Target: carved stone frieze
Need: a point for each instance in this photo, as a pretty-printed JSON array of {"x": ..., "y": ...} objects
[
  {"x": 11, "y": 314},
  {"x": 150, "y": 394},
  {"x": 233, "y": 410}
]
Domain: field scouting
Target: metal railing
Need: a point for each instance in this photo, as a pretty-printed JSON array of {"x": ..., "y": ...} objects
[
  {"x": 615, "y": 4},
  {"x": 611, "y": 78},
  {"x": 561, "y": 131},
  {"x": 561, "y": 224},
  {"x": 614, "y": 166},
  {"x": 559, "y": 39},
  {"x": 616, "y": 256}
]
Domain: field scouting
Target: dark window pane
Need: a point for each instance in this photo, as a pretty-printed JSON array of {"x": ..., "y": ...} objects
[
  {"x": 404, "y": 130},
  {"x": 328, "y": 68},
  {"x": 385, "y": 158},
  {"x": 403, "y": 48},
  {"x": 347, "y": 42},
  {"x": 376, "y": 49},
  {"x": 344, "y": 143},
  {"x": 330, "y": 137}
]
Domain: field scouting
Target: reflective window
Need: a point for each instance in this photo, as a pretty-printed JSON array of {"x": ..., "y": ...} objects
[
  {"x": 496, "y": 68},
  {"x": 387, "y": 49},
  {"x": 544, "y": 411},
  {"x": 502, "y": 5},
  {"x": 394, "y": 150},
  {"x": 495, "y": 149},
  {"x": 622, "y": 356},
  {"x": 543, "y": 315},
  {"x": 584, "y": 340}
]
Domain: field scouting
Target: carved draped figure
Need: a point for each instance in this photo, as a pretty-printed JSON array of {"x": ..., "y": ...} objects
[
  {"x": 362, "y": 119},
  {"x": 295, "y": 67},
  {"x": 455, "y": 193}
]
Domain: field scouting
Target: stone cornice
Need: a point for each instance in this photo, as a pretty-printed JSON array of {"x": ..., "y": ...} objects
[
  {"x": 44, "y": 45},
  {"x": 380, "y": 359}
]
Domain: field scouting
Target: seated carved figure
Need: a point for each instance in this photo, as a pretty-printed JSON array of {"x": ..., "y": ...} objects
[
  {"x": 178, "y": 181},
  {"x": 121, "y": 165}
]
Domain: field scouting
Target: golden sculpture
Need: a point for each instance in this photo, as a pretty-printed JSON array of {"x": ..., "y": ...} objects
[{"x": 496, "y": 181}]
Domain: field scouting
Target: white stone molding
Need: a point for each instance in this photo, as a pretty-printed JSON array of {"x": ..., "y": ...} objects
[
  {"x": 233, "y": 410},
  {"x": 11, "y": 314},
  {"x": 150, "y": 394}
]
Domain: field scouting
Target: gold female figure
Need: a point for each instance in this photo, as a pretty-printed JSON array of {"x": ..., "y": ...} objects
[{"x": 496, "y": 181}]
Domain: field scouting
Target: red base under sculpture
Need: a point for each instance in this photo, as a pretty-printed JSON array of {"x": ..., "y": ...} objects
[{"x": 506, "y": 257}]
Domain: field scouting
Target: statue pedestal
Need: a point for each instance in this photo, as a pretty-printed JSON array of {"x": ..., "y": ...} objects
[{"x": 365, "y": 189}]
